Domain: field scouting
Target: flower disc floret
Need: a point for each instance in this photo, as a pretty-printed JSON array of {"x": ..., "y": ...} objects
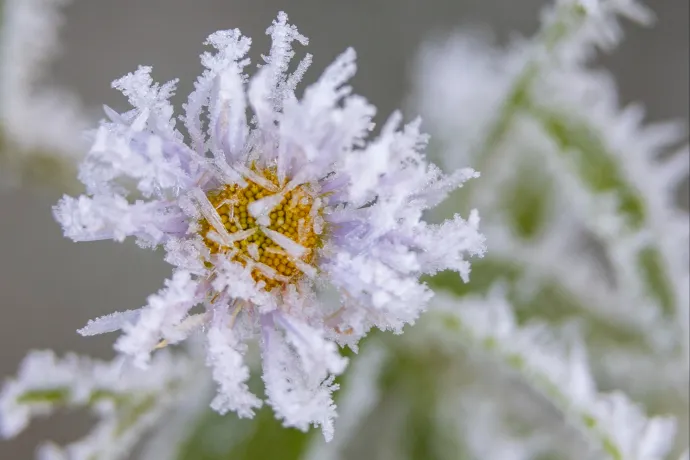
[{"x": 293, "y": 217}]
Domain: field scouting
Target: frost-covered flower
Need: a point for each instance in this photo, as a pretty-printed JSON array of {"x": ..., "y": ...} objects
[{"x": 257, "y": 218}]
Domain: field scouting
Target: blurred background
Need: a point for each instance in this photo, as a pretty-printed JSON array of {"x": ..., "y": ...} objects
[{"x": 50, "y": 286}]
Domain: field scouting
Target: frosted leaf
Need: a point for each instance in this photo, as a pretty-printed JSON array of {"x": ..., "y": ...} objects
[
  {"x": 126, "y": 401},
  {"x": 615, "y": 425},
  {"x": 593, "y": 217}
]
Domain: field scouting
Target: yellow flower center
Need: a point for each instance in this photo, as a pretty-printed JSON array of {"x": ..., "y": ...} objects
[{"x": 293, "y": 218}]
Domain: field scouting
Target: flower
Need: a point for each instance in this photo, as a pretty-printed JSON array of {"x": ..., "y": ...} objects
[{"x": 260, "y": 218}]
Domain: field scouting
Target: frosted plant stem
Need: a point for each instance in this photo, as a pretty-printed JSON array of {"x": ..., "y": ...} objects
[
  {"x": 627, "y": 191},
  {"x": 549, "y": 36},
  {"x": 126, "y": 402},
  {"x": 651, "y": 270},
  {"x": 563, "y": 378}
]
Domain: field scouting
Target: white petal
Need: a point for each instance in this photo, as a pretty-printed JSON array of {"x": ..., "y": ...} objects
[
  {"x": 300, "y": 400},
  {"x": 160, "y": 319},
  {"x": 225, "y": 357},
  {"x": 319, "y": 357},
  {"x": 112, "y": 217},
  {"x": 110, "y": 323}
]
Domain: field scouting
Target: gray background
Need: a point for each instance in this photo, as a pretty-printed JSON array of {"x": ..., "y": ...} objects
[{"x": 49, "y": 286}]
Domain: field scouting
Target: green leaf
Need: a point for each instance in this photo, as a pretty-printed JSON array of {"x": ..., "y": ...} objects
[
  {"x": 37, "y": 167},
  {"x": 227, "y": 437},
  {"x": 54, "y": 396},
  {"x": 595, "y": 164},
  {"x": 599, "y": 169},
  {"x": 657, "y": 282},
  {"x": 518, "y": 98},
  {"x": 527, "y": 200},
  {"x": 130, "y": 415},
  {"x": 485, "y": 272}
]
